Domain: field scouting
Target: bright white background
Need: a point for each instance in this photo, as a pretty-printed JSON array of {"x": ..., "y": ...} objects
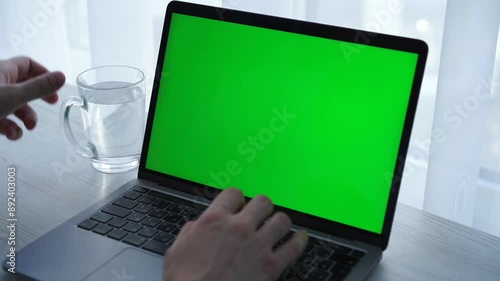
[{"x": 453, "y": 166}]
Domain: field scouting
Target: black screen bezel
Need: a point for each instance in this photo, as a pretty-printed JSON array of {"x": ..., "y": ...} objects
[{"x": 301, "y": 27}]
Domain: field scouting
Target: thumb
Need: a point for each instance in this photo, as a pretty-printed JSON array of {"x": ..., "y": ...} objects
[{"x": 41, "y": 86}]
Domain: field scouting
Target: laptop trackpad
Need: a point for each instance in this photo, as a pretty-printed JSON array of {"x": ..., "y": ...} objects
[{"x": 130, "y": 264}]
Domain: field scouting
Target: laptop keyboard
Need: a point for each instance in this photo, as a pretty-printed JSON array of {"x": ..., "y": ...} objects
[
  {"x": 322, "y": 260},
  {"x": 151, "y": 220}
]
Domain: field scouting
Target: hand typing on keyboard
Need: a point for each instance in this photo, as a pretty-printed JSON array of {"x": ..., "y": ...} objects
[{"x": 230, "y": 242}]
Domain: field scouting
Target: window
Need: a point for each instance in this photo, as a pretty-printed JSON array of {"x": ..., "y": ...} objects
[{"x": 458, "y": 178}]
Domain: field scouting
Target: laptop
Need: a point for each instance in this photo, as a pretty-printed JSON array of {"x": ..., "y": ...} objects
[{"x": 316, "y": 117}]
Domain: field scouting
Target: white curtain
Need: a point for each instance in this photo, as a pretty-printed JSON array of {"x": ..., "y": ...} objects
[
  {"x": 462, "y": 107},
  {"x": 35, "y": 28},
  {"x": 453, "y": 164}
]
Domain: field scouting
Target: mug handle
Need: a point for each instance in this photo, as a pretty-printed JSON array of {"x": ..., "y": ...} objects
[{"x": 86, "y": 149}]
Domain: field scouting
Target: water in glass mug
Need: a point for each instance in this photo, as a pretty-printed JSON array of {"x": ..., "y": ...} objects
[{"x": 115, "y": 126}]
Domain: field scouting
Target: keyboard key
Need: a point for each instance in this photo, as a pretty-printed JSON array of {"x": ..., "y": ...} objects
[
  {"x": 182, "y": 221},
  {"x": 334, "y": 247},
  {"x": 132, "y": 195},
  {"x": 118, "y": 222},
  {"x": 339, "y": 272},
  {"x": 147, "y": 232},
  {"x": 319, "y": 275},
  {"x": 132, "y": 227},
  {"x": 173, "y": 218},
  {"x": 163, "y": 237},
  {"x": 88, "y": 224},
  {"x": 146, "y": 199},
  {"x": 344, "y": 259},
  {"x": 176, "y": 231},
  {"x": 134, "y": 240},
  {"x": 292, "y": 275},
  {"x": 324, "y": 264},
  {"x": 166, "y": 226},
  {"x": 141, "y": 189},
  {"x": 151, "y": 222},
  {"x": 117, "y": 234},
  {"x": 102, "y": 217},
  {"x": 136, "y": 217},
  {"x": 305, "y": 259},
  {"x": 143, "y": 208},
  {"x": 321, "y": 252},
  {"x": 174, "y": 208},
  {"x": 155, "y": 246},
  {"x": 177, "y": 200},
  {"x": 125, "y": 203},
  {"x": 102, "y": 229},
  {"x": 160, "y": 204},
  {"x": 190, "y": 213},
  {"x": 158, "y": 213},
  {"x": 358, "y": 254},
  {"x": 116, "y": 211},
  {"x": 301, "y": 271}
]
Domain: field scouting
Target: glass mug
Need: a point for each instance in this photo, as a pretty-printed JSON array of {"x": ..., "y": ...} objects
[{"x": 112, "y": 103}]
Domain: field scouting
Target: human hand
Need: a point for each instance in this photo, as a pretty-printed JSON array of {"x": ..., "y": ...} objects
[
  {"x": 21, "y": 81},
  {"x": 226, "y": 243}
]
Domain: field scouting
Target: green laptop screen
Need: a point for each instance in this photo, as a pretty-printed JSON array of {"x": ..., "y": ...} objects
[{"x": 313, "y": 123}]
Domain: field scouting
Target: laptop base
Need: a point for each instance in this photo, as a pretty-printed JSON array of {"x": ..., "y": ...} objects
[{"x": 70, "y": 252}]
